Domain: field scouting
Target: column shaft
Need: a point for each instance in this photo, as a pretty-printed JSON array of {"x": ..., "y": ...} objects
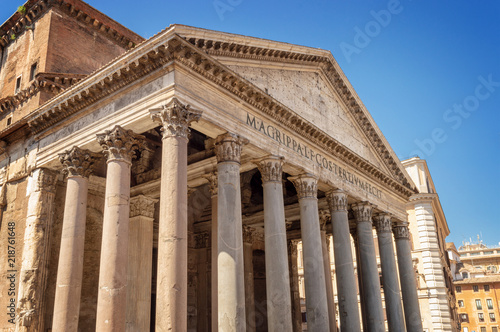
[
  {"x": 34, "y": 267},
  {"x": 140, "y": 264},
  {"x": 294, "y": 286},
  {"x": 328, "y": 282},
  {"x": 119, "y": 145},
  {"x": 172, "y": 280},
  {"x": 70, "y": 268},
  {"x": 392, "y": 294},
  {"x": 279, "y": 306},
  {"x": 231, "y": 282},
  {"x": 344, "y": 267},
  {"x": 407, "y": 277},
  {"x": 369, "y": 269},
  {"x": 249, "y": 278},
  {"x": 314, "y": 273}
]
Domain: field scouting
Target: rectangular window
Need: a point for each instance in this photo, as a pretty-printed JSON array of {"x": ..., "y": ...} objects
[
  {"x": 483, "y": 329},
  {"x": 489, "y": 304},
  {"x": 464, "y": 318},
  {"x": 480, "y": 316},
  {"x": 474, "y": 253},
  {"x": 492, "y": 317},
  {"x": 488, "y": 252},
  {"x": 479, "y": 306},
  {"x": 33, "y": 71},
  {"x": 461, "y": 303},
  {"x": 494, "y": 329},
  {"x": 486, "y": 288},
  {"x": 465, "y": 275},
  {"x": 475, "y": 288},
  {"x": 466, "y": 329},
  {"x": 458, "y": 289},
  {"x": 18, "y": 85}
]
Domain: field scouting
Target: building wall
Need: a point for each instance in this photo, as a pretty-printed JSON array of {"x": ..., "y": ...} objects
[{"x": 469, "y": 308}]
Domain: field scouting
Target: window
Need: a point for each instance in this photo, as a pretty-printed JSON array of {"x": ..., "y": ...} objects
[
  {"x": 465, "y": 275},
  {"x": 466, "y": 329},
  {"x": 483, "y": 329},
  {"x": 489, "y": 303},
  {"x": 458, "y": 289},
  {"x": 486, "y": 288},
  {"x": 9, "y": 121},
  {"x": 479, "y": 306},
  {"x": 18, "y": 85},
  {"x": 475, "y": 288},
  {"x": 480, "y": 316},
  {"x": 488, "y": 252},
  {"x": 461, "y": 303},
  {"x": 464, "y": 318},
  {"x": 492, "y": 317},
  {"x": 494, "y": 329},
  {"x": 474, "y": 253},
  {"x": 33, "y": 71}
]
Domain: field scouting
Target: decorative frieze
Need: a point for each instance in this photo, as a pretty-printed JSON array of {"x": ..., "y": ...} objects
[
  {"x": 383, "y": 222},
  {"x": 271, "y": 168},
  {"x": 120, "y": 144},
  {"x": 362, "y": 211},
  {"x": 175, "y": 118},
  {"x": 306, "y": 185},
  {"x": 337, "y": 200},
  {"x": 401, "y": 231},
  {"x": 228, "y": 148},
  {"x": 142, "y": 206},
  {"x": 78, "y": 162}
]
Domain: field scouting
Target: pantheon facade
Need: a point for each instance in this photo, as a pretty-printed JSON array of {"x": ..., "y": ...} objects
[{"x": 167, "y": 191}]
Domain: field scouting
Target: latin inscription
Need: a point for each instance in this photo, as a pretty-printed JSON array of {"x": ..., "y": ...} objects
[{"x": 306, "y": 152}]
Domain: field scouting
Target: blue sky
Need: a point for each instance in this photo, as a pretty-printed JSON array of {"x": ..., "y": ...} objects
[{"x": 428, "y": 72}]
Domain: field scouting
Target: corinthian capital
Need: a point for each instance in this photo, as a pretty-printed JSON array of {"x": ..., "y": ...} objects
[
  {"x": 401, "y": 231},
  {"x": 120, "y": 144},
  {"x": 383, "y": 222},
  {"x": 142, "y": 206},
  {"x": 228, "y": 147},
  {"x": 362, "y": 211},
  {"x": 212, "y": 183},
  {"x": 271, "y": 168},
  {"x": 337, "y": 200},
  {"x": 78, "y": 162},
  {"x": 306, "y": 185},
  {"x": 175, "y": 118}
]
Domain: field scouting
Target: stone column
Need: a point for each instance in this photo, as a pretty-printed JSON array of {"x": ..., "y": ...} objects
[
  {"x": 344, "y": 267},
  {"x": 369, "y": 269},
  {"x": 249, "y": 278},
  {"x": 77, "y": 165},
  {"x": 362, "y": 304},
  {"x": 203, "y": 287},
  {"x": 119, "y": 145},
  {"x": 33, "y": 274},
  {"x": 171, "y": 288},
  {"x": 407, "y": 278},
  {"x": 212, "y": 181},
  {"x": 279, "y": 305},
  {"x": 314, "y": 273},
  {"x": 231, "y": 283},
  {"x": 390, "y": 279},
  {"x": 294, "y": 286},
  {"x": 140, "y": 263},
  {"x": 324, "y": 218}
]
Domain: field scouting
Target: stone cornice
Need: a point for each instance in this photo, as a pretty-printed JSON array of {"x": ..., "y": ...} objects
[
  {"x": 52, "y": 82},
  {"x": 167, "y": 46},
  {"x": 79, "y": 10},
  {"x": 423, "y": 197}
]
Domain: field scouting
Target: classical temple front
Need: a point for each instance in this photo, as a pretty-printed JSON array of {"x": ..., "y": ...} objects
[{"x": 164, "y": 185}]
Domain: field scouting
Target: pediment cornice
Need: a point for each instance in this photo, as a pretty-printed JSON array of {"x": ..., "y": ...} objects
[{"x": 168, "y": 46}]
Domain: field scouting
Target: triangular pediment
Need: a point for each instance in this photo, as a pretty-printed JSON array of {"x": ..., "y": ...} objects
[{"x": 308, "y": 94}]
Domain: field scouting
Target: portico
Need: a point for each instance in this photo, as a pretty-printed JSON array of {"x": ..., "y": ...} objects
[{"x": 190, "y": 109}]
